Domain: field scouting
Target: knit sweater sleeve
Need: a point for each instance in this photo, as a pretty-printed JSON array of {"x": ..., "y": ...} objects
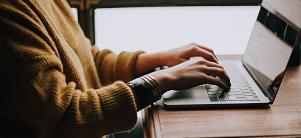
[
  {"x": 112, "y": 67},
  {"x": 38, "y": 92}
]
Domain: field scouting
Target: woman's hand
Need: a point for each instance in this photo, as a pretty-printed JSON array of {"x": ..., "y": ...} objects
[
  {"x": 149, "y": 61},
  {"x": 189, "y": 66},
  {"x": 191, "y": 73},
  {"x": 179, "y": 55}
]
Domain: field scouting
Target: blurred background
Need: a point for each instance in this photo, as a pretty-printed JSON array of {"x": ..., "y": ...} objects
[{"x": 224, "y": 26}]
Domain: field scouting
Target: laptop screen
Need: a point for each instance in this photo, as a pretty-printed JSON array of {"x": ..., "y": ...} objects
[{"x": 268, "y": 52}]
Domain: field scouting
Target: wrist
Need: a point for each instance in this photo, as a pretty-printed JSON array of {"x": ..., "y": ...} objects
[
  {"x": 157, "y": 59},
  {"x": 148, "y": 62},
  {"x": 164, "y": 80},
  {"x": 161, "y": 58}
]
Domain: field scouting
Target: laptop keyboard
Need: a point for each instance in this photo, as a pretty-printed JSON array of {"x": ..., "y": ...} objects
[{"x": 240, "y": 89}]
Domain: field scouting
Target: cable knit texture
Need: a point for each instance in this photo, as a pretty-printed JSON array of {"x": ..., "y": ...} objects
[{"x": 53, "y": 83}]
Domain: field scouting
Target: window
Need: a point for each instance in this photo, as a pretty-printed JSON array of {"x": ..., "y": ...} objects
[
  {"x": 224, "y": 25},
  {"x": 75, "y": 13},
  {"x": 226, "y": 29}
]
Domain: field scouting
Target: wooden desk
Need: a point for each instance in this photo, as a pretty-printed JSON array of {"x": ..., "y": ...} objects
[{"x": 283, "y": 118}]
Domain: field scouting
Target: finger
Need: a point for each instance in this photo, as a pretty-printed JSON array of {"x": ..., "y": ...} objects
[
  {"x": 214, "y": 71},
  {"x": 225, "y": 75},
  {"x": 216, "y": 81},
  {"x": 207, "y": 49},
  {"x": 213, "y": 64},
  {"x": 205, "y": 54}
]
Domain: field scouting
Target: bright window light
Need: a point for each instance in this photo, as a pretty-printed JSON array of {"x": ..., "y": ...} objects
[
  {"x": 226, "y": 29},
  {"x": 74, "y": 12}
]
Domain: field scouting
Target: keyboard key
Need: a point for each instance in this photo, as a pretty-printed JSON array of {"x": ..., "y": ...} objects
[
  {"x": 230, "y": 93},
  {"x": 256, "y": 98},
  {"x": 250, "y": 98},
  {"x": 247, "y": 93},
  {"x": 232, "y": 98},
  {"x": 234, "y": 87},
  {"x": 241, "y": 98},
  {"x": 238, "y": 93},
  {"x": 245, "y": 89}
]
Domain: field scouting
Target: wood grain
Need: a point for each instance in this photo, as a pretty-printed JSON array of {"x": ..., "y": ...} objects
[{"x": 283, "y": 118}]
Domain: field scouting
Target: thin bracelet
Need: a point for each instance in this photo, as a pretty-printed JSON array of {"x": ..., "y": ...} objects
[{"x": 157, "y": 90}]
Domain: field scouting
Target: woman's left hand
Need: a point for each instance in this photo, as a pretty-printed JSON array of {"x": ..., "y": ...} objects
[
  {"x": 176, "y": 56},
  {"x": 148, "y": 61}
]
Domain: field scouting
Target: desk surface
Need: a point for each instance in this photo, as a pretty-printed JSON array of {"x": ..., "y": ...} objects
[{"x": 283, "y": 118}]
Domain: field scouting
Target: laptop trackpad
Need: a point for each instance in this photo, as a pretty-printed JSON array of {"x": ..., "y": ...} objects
[{"x": 196, "y": 95}]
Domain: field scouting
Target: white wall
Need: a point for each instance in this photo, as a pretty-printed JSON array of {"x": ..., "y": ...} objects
[{"x": 225, "y": 29}]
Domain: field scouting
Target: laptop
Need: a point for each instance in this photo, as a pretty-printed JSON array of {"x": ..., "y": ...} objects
[{"x": 255, "y": 79}]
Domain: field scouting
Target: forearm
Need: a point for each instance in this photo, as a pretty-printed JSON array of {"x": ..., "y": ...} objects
[
  {"x": 112, "y": 67},
  {"x": 148, "y": 62}
]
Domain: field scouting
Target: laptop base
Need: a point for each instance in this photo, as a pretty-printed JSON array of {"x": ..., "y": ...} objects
[{"x": 201, "y": 97}]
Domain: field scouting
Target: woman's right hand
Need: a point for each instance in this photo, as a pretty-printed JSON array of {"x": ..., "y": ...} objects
[{"x": 193, "y": 72}]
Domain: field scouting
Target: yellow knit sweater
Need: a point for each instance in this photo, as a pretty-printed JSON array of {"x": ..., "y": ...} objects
[{"x": 53, "y": 83}]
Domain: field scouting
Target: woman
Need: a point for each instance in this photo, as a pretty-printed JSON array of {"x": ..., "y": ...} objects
[{"x": 55, "y": 84}]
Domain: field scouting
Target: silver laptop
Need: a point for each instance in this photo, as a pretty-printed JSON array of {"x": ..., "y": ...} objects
[{"x": 256, "y": 78}]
